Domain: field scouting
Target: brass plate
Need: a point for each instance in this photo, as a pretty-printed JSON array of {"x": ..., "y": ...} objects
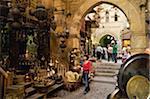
[{"x": 138, "y": 87}]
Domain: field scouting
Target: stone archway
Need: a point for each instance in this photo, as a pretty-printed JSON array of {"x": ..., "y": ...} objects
[
  {"x": 104, "y": 40},
  {"x": 105, "y": 33},
  {"x": 133, "y": 13}
]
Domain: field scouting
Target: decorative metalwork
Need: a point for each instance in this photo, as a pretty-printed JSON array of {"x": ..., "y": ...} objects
[
  {"x": 40, "y": 13},
  {"x": 4, "y": 9},
  {"x": 25, "y": 34}
]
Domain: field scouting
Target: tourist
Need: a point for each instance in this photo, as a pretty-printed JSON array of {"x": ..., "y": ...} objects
[
  {"x": 109, "y": 50},
  {"x": 114, "y": 53},
  {"x": 87, "y": 65},
  {"x": 99, "y": 51},
  {"x": 105, "y": 53},
  {"x": 126, "y": 55}
]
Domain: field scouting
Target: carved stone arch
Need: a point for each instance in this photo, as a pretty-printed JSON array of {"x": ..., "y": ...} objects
[
  {"x": 136, "y": 21},
  {"x": 111, "y": 34}
]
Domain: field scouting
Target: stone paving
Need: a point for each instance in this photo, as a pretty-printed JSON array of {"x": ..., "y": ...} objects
[{"x": 99, "y": 89}]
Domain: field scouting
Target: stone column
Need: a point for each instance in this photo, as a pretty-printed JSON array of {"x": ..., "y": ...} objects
[
  {"x": 73, "y": 41},
  {"x": 148, "y": 24},
  {"x": 138, "y": 42},
  {"x": 138, "y": 36}
]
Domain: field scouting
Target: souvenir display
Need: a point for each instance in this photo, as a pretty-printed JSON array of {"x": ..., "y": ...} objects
[
  {"x": 74, "y": 60},
  {"x": 72, "y": 76},
  {"x": 72, "y": 81},
  {"x": 26, "y": 43}
]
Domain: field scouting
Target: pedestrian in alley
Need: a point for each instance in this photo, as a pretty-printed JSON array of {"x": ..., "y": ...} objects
[
  {"x": 115, "y": 51},
  {"x": 126, "y": 55},
  {"x": 103, "y": 53},
  {"x": 99, "y": 51},
  {"x": 109, "y": 51},
  {"x": 87, "y": 65},
  {"x": 106, "y": 54}
]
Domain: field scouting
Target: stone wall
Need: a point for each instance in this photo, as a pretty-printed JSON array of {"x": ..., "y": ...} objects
[{"x": 133, "y": 9}]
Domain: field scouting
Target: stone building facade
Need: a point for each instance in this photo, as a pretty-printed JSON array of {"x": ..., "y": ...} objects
[{"x": 77, "y": 9}]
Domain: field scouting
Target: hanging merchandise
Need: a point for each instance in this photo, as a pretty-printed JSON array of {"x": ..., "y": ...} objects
[{"x": 75, "y": 60}]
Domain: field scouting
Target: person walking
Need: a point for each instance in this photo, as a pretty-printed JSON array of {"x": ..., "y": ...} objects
[
  {"x": 99, "y": 52},
  {"x": 109, "y": 50},
  {"x": 106, "y": 54},
  {"x": 87, "y": 65},
  {"x": 114, "y": 53},
  {"x": 103, "y": 53},
  {"x": 126, "y": 55}
]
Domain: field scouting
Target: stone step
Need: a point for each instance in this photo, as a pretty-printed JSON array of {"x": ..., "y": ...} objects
[
  {"x": 30, "y": 91},
  {"x": 106, "y": 70},
  {"x": 36, "y": 96},
  {"x": 105, "y": 74},
  {"x": 104, "y": 79},
  {"x": 108, "y": 67},
  {"x": 108, "y": 64},
  {"x": 26, "y": 84}
]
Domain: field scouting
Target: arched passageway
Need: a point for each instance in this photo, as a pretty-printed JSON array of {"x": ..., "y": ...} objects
[
  {"x": 133, "y": 13},
  {"x": 106, "y": 19},
  {"x": 105, "y": 40}
]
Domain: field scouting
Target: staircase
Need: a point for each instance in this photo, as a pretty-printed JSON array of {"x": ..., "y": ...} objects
[
  {"x": 106, "y": 72},
  {"x": 25, "y": 90},
  {"x": 31, "y": 93}
]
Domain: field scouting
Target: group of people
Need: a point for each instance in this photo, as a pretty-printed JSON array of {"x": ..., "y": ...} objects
[{"x": 109, "y": 53}]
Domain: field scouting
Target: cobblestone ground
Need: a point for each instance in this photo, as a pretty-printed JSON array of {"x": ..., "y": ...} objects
[{"x": 98, "y": 91}]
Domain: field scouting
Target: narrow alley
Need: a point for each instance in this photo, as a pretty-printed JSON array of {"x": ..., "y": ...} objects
[{"x": 74, "y": 49}]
